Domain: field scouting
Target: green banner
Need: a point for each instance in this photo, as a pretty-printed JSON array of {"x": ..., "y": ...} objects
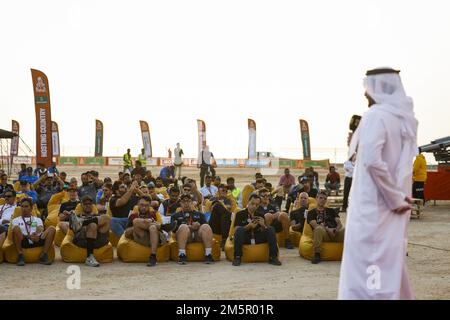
[
  {"x": 71, "y": 161},
  {"x": 287, "y": 163},
  {"x": 317, "y": 163},
  {"x": 94, "y": 161}
]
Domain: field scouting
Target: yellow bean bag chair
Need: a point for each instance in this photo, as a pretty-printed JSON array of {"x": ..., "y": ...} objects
[
  {"x": 17, "y": 186},
  {"x": 59, "y": 236},
  {"x": 131, "y": 251},
  {"x": 113, "y": 239},
  {"x": 53, "y": 208},
  {"x": 250, "y": 252},
  {"x": 330, "y": 251},
  {"x": 248, "y": 189},
  {"x": 30, "y": 255},
  {"x": 74, "y": 254},
  {"x": 195, "y": 251},
  {"x": 295, "y": 236}
]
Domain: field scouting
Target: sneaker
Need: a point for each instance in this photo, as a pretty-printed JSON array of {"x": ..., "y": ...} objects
[
  {"x": 209, "y": 259},
  {"x": 274, "y": 261},
  {"x": 237, "y": 261},
  {"x": 43, "y": 259},
  {"x": 152, "y": 261},
  {"x": 316, "y": 258},
  {"x": 74, "y": 222},
  {"x": 91, "y": 261},
  {"x": 288, "y": 244},
  {"x": 20, "y": 260},
  {"x": 182, "y": 259}
]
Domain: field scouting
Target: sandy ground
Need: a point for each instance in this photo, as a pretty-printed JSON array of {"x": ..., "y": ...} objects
[{"x": 428, "y": 262}]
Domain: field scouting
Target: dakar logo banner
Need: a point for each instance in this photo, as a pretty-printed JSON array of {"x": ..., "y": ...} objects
[
  {"x": 55, "y": 139},
  {"x": 98, "y": 138},
  {"x": 304, "y": 130},
  {"x": 201, "y": 135},
  {"x": 15, "y": 141},
  {"x": 146, "y": 140},
  {"x": 41, "y": 91},
  {"x": 251, "y": 139}
]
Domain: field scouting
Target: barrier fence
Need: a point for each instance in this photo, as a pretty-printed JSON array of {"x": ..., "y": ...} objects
[{"x": 187, "y": 162}]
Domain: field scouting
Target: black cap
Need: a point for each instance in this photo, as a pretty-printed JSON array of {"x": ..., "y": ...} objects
[
  {"x": 381, "y": 71},
  {"x": 87, "y": 198}
]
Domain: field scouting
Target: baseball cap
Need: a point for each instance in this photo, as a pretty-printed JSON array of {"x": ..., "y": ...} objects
[{"x": 87, "y": 198}]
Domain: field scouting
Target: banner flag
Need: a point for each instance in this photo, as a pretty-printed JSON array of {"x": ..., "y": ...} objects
[
  {"x": 146, "y": 139},
  {"x": 201, "y": 135},
  {"x": 15, "y": 141},
  {"x": 41, "y": 91},
  {"x": 55, "y": 139},
  {"x": 304, "y": 130},
  {"x": 98, "y": 138},
  {"x": 251, "y": 139}
]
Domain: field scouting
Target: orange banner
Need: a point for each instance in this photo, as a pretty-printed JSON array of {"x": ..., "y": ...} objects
[
  {"x": 41, "y": 91},
  {"x": 15, "y": 141},
  {"x": 146, "y": 140}
]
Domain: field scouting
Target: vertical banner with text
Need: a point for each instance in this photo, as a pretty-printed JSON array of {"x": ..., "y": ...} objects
[
  {"x": 251, "y": 139},
  {"x": 98, "y": 138},
  {"x": 304, "y": 131},
  {"x": 146, "y": 139},
  {"x": 201, "y": 135},
  {"x": 41, "y": 91},
  {"x": 55, "y": 139},
  {"x": 15, "y": 128}
]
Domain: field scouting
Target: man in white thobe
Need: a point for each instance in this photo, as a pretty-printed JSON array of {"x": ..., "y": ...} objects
[{"x": 374, "y": 258}]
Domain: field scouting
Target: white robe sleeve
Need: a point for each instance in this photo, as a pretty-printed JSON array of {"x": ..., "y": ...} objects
[{"x": 375, "y": 139}]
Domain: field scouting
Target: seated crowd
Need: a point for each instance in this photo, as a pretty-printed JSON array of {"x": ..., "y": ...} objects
[{"x": 155, "y": 210}]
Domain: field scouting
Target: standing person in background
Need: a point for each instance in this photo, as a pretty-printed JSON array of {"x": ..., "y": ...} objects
[
  {"x": 53, "y": 169},
  {"x": 142, "y": 158},
  {"x": 127, "y": 163},
  {"x": 23, "y": 170},
  {"x": 178, "y": 161},
  {"x": 169, "y": 153},
  {"x": 204, "y": 163},
  {"x": 419, "y": 177},
  {"x": 348, "y": 168}
]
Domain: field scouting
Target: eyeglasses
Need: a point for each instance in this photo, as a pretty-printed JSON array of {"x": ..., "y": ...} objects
[
  {"x": 8, "y": 196},
  {"x": 187, "y": 190},
  {"x": 265, "y": 196}
]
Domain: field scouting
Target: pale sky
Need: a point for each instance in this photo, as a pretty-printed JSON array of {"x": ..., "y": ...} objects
[{"x": 172, "y": 62}]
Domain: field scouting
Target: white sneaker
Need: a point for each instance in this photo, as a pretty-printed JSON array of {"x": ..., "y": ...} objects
[{"x": 91, "y": 261}]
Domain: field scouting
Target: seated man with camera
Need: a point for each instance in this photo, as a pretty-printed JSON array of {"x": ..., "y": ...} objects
[
  {"x": 252, "y": 229},
  {"x": 146, "y": 228},
  {"x": 91, "y": 231},
  {"x": 326, "y": 225},
  {"x": 191, "y": 226}
]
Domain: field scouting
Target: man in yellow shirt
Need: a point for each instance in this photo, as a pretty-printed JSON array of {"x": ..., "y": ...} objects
[
  {"x": 419, "y": 177},
  {"x": 127, "y": 163}
]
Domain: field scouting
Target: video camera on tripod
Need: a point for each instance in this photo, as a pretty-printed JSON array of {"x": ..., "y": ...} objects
[{"x": 440, "y": 149}]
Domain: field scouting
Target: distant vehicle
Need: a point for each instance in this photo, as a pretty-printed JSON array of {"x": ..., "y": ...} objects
[{"x": 264, "y": 155}]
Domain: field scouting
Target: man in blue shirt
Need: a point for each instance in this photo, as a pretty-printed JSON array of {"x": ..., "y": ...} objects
[
  {"x": 167, "y": 174},
  {"x": 29, "y": 177}
]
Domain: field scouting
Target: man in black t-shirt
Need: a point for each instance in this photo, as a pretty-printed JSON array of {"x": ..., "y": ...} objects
[
  {"x": 326, "y": 225},
  {"x": 273, "y": 217},
  {"x": 4, "y": 185},
  {"x": 297, "y": 216},
  {"x": 221, "y": 208},
  {"x": 120, "y": 205},
  {"x": 89, "y": 185},
  {"x": 191, "y": 226},
  {"x": 169, "y": 206},
  {"x": 66, "y": 208},
  {"x": 251, "y": 229}
]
